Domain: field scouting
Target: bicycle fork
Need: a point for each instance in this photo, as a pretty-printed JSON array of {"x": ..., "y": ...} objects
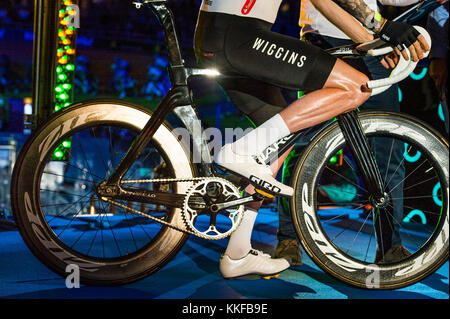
[{"x": 364, "y": 157}]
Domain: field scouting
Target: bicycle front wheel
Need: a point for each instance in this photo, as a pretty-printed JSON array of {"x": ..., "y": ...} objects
[
  {"x": 361, "y": 242},
  {"x": 61, "y": 218}
]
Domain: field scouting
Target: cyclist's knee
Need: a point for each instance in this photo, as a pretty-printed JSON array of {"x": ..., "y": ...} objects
[
  {"x": 359, "y": 91},
  {"x": 351, "y": 82}
]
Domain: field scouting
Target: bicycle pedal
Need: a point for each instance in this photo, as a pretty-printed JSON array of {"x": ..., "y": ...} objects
[
  {"x": 270, "y": 277},
  {"x": 254, "y": 277},
  {"x": 263, "y": 193}
]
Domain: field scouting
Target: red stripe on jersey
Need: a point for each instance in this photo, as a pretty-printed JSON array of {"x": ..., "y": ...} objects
[{"x": 248, "y": 7}]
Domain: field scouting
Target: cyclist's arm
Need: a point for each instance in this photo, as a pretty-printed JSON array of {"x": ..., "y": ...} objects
[
  {"x": 361, "y": 12},
  {"x": 350, "y": 26},
  {"x": 343, "y": 20},
  {"x": 398, "y": 34},
  {"x": 398, "y": 3}
]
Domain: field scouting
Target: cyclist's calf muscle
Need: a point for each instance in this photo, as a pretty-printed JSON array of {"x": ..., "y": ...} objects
[{"x": 344, "y": 90}]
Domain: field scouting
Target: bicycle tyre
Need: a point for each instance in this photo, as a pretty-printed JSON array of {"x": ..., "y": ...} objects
[
  {"x": 307, "y": 223},
  {"x": 42, "y": 240}
]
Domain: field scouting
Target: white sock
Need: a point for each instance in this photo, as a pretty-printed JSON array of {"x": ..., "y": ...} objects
[
  {"x": 256, "y": 141},
  {"x": 239, "y": 244}
]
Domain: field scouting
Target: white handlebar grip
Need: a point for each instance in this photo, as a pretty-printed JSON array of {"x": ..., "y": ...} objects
[{"x": 401, "y": 71}]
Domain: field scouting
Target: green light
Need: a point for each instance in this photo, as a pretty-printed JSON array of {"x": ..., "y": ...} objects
[
  {"x": 66, "y": 144},
  {"x": 59, "y": 69},
  {"x": 59, "y": 154},
  {"x": 70, "y": 67},
  {"x": 62, "y": 77},
  {"x": 63, "y": 96},
  {"x": 66, "y": 104},
  {"x": 66, "y": 86},
  {"x": 333, "y": 160},
  {"x": 58, "y": 89}
]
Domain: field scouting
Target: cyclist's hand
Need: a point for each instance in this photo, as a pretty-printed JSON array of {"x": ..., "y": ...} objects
[
  {"x": 390, "y": 60},
  {"x": 400, "y": 35}
]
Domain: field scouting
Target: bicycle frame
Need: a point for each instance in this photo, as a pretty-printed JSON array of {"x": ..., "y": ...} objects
[{"x": 178, "y": 100}]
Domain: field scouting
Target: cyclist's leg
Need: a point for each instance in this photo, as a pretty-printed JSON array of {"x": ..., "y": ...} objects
[
  {"x": 343, "y": 91},
  {"x": 388, "y": 100},
  {"x": 259, "y": 101},
  {"x": 334, "y": 88}
]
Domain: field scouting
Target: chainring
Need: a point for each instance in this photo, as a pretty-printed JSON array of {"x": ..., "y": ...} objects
[{"x": 198, "y": 216}]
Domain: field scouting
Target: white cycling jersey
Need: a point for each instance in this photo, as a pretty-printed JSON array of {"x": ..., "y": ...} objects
[{"x": 261, "y": 9}]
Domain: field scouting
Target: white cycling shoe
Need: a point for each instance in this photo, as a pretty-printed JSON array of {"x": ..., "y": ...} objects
[
  {"x": 246, "y": 166},
  {"x": 255, "y": 263}
]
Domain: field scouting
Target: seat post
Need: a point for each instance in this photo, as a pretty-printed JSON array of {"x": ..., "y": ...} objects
[{"x": 167, "y": 21}]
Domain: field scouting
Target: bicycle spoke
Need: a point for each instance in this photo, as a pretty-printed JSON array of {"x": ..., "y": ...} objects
[
  {"x": 398, "y": 223},
  {"x": 60, "y": 204},
  {"x": 423, "y": 210},
  {"x": 71, "y": 205},
  {"x": 131, "y": 232},
  {"x": 69, "y": 177},
  {"x": 84, "y": 171},
  {"x": 345, "y": 178},
  {"x": 357, "y": 234},
  {"x": 395, "y": 171},
  {"x": 85, "y": 159},
  {"x": 95, "y": 236},
  {"x": 334, "y": 218},
  {"x": 71, "y": 220},
  {"x": 399, "y": 183},
  {"x": 368, "y": 246},
  {"x": 389, "y": 161},
  {"x": 419, "y": 183},
  {"x": 101, "y": 153},
  {"x": 112, "y": 233},
  {"x": 342, "y": 191},
  {"x": 61, "y": 192}
]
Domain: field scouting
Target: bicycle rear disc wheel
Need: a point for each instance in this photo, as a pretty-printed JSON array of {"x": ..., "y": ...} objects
[
  {"x": 61, "y": 218},
  {"x": 338, "y": 222}
]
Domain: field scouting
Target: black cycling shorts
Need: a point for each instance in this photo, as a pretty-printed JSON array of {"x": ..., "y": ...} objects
[{"x": 258, "y": 62}]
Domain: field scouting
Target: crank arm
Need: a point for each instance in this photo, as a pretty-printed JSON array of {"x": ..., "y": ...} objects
[{"x": 216, "y": 207}]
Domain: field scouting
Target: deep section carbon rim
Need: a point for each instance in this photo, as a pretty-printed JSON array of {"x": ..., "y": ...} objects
[
  {"x": 346, "y": 232},
  {"x": 78, "y": 218}
]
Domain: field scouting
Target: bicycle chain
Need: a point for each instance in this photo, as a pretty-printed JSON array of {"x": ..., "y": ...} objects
[{"x": 156, "y": 219}]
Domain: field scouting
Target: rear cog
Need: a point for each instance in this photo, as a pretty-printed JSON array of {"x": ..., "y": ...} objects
[{"x": 203, "y": 221}]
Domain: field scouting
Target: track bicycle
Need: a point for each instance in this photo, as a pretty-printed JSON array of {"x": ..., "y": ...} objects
[{"x": 129, "y": 193}]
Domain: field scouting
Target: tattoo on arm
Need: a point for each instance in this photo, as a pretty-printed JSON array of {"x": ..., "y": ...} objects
[{"x": 360, "y": 11}]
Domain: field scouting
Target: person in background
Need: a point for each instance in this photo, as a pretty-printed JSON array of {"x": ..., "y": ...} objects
[
  {"x": 318, "y": 27},
  {"x": 438, "y": 28}
]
